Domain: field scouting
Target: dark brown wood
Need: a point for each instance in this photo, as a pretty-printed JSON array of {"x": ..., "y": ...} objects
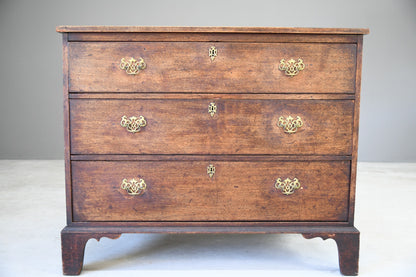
[
  {"x": 229, "y": 158},
  {"x": 355, "y": 131},
  {"x": 242, "y": 140},
  {"x": 74, "y": 240},
  {"x": 218, "y": 226},
  {"x": 186, "y": 67},
  {"x": 210, "y": 96},
  {"x": 73, "y": 247},
  {"x": 348, "y": 244},
  {"x": 183, "y": 191},
  {"x": 67, "y": 134},
  {"x": 209, "y": 228},
  {"x": 186, "y": 127},
  {"x": 217, "y": 37},
  {"x": 165, "y": 29}
]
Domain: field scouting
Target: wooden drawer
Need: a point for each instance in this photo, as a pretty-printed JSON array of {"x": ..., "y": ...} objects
[
  {"x": 187, "y": 67},
  {"x": 183, "y": 191},
  {"x": 186, "y": 127}
]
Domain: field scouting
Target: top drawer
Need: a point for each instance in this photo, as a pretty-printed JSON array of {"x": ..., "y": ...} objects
[{"x": 187, "y": 67}]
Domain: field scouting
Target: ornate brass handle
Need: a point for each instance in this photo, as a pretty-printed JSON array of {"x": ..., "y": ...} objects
[
  {"x": 132, "y": 66},
  {"x": 134, "y": 187},
  {"x": 290, "y": 125},
  {"x": 287, "y": 186},
  {"x": 133, "y": 124},
  {"x": 291, "y": 67}
]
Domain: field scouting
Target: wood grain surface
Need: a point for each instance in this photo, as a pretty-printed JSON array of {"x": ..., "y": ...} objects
[
  {"x": 183, "y": 191},
  {"x": 242, "y": 140},
  {"x": 186, "y": 127},
  {"x": 186, "y": 67},
  {"x": 213, "y": 37},
  {"x": 203, "y": 29}
]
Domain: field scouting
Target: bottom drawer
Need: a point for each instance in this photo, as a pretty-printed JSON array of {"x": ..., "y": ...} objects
[{"x": 184, "y": 191}]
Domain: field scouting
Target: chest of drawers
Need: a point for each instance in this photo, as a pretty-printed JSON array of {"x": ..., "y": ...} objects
[{"x": 210, "y": 130}]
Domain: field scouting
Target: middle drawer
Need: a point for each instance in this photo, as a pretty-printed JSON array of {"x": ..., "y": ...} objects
[{"x": 320, "y": 127}]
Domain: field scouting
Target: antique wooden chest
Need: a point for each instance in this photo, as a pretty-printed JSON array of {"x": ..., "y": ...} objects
[{"x": 211, "y": 130}]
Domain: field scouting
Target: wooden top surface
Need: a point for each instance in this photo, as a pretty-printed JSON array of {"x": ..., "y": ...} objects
[{"x": 165, "y": 29}]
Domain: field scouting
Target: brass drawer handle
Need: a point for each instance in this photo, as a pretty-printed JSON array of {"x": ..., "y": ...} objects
[
  {"x": 291, "y": 67},
  {"x": 132, "y": 66},
  {"x": 290, "y": 125},
  {"x": 287, "y": 186},
  {"x": 133, "y": 124},
  {"x": 210, "y": 170},
  {"x": 134, "y": 187}
]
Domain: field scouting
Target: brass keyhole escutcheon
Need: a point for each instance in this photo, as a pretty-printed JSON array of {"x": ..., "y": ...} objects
[
  {"x": 210, "y": 170},
  {"x": 212, "y": 53},
  {"x": 212, "y": 108}
]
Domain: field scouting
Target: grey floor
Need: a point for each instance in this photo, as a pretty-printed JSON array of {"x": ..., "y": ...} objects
[{"x": 32, "y": 213}]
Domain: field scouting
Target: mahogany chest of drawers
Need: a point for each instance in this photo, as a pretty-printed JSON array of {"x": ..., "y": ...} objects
[{"x": 211, "y": 130}]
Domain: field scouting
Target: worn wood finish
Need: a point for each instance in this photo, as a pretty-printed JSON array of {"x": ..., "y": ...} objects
[
  {"x": 181, "y": 139},
  {"x": 356, "y": 127},
  {"x": 74, "y": 240},
  {"x": 192, "y": 30},
  {"x": 67, "y": 133},
  {"x": 211, "y": 228},
  {"x": 186, "y": 127},
  {"x": 183, "y": 191},
  {"x": 348, "y": 244},
  {"x": 218, "y": 226},
  {"x": 73, "y": 246},
  {"x": 186, "y": 67},
  {"x": 210, "y": 96},
  {"x": 216, "y": 37},
  {"x": 229, "y": 158}
]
